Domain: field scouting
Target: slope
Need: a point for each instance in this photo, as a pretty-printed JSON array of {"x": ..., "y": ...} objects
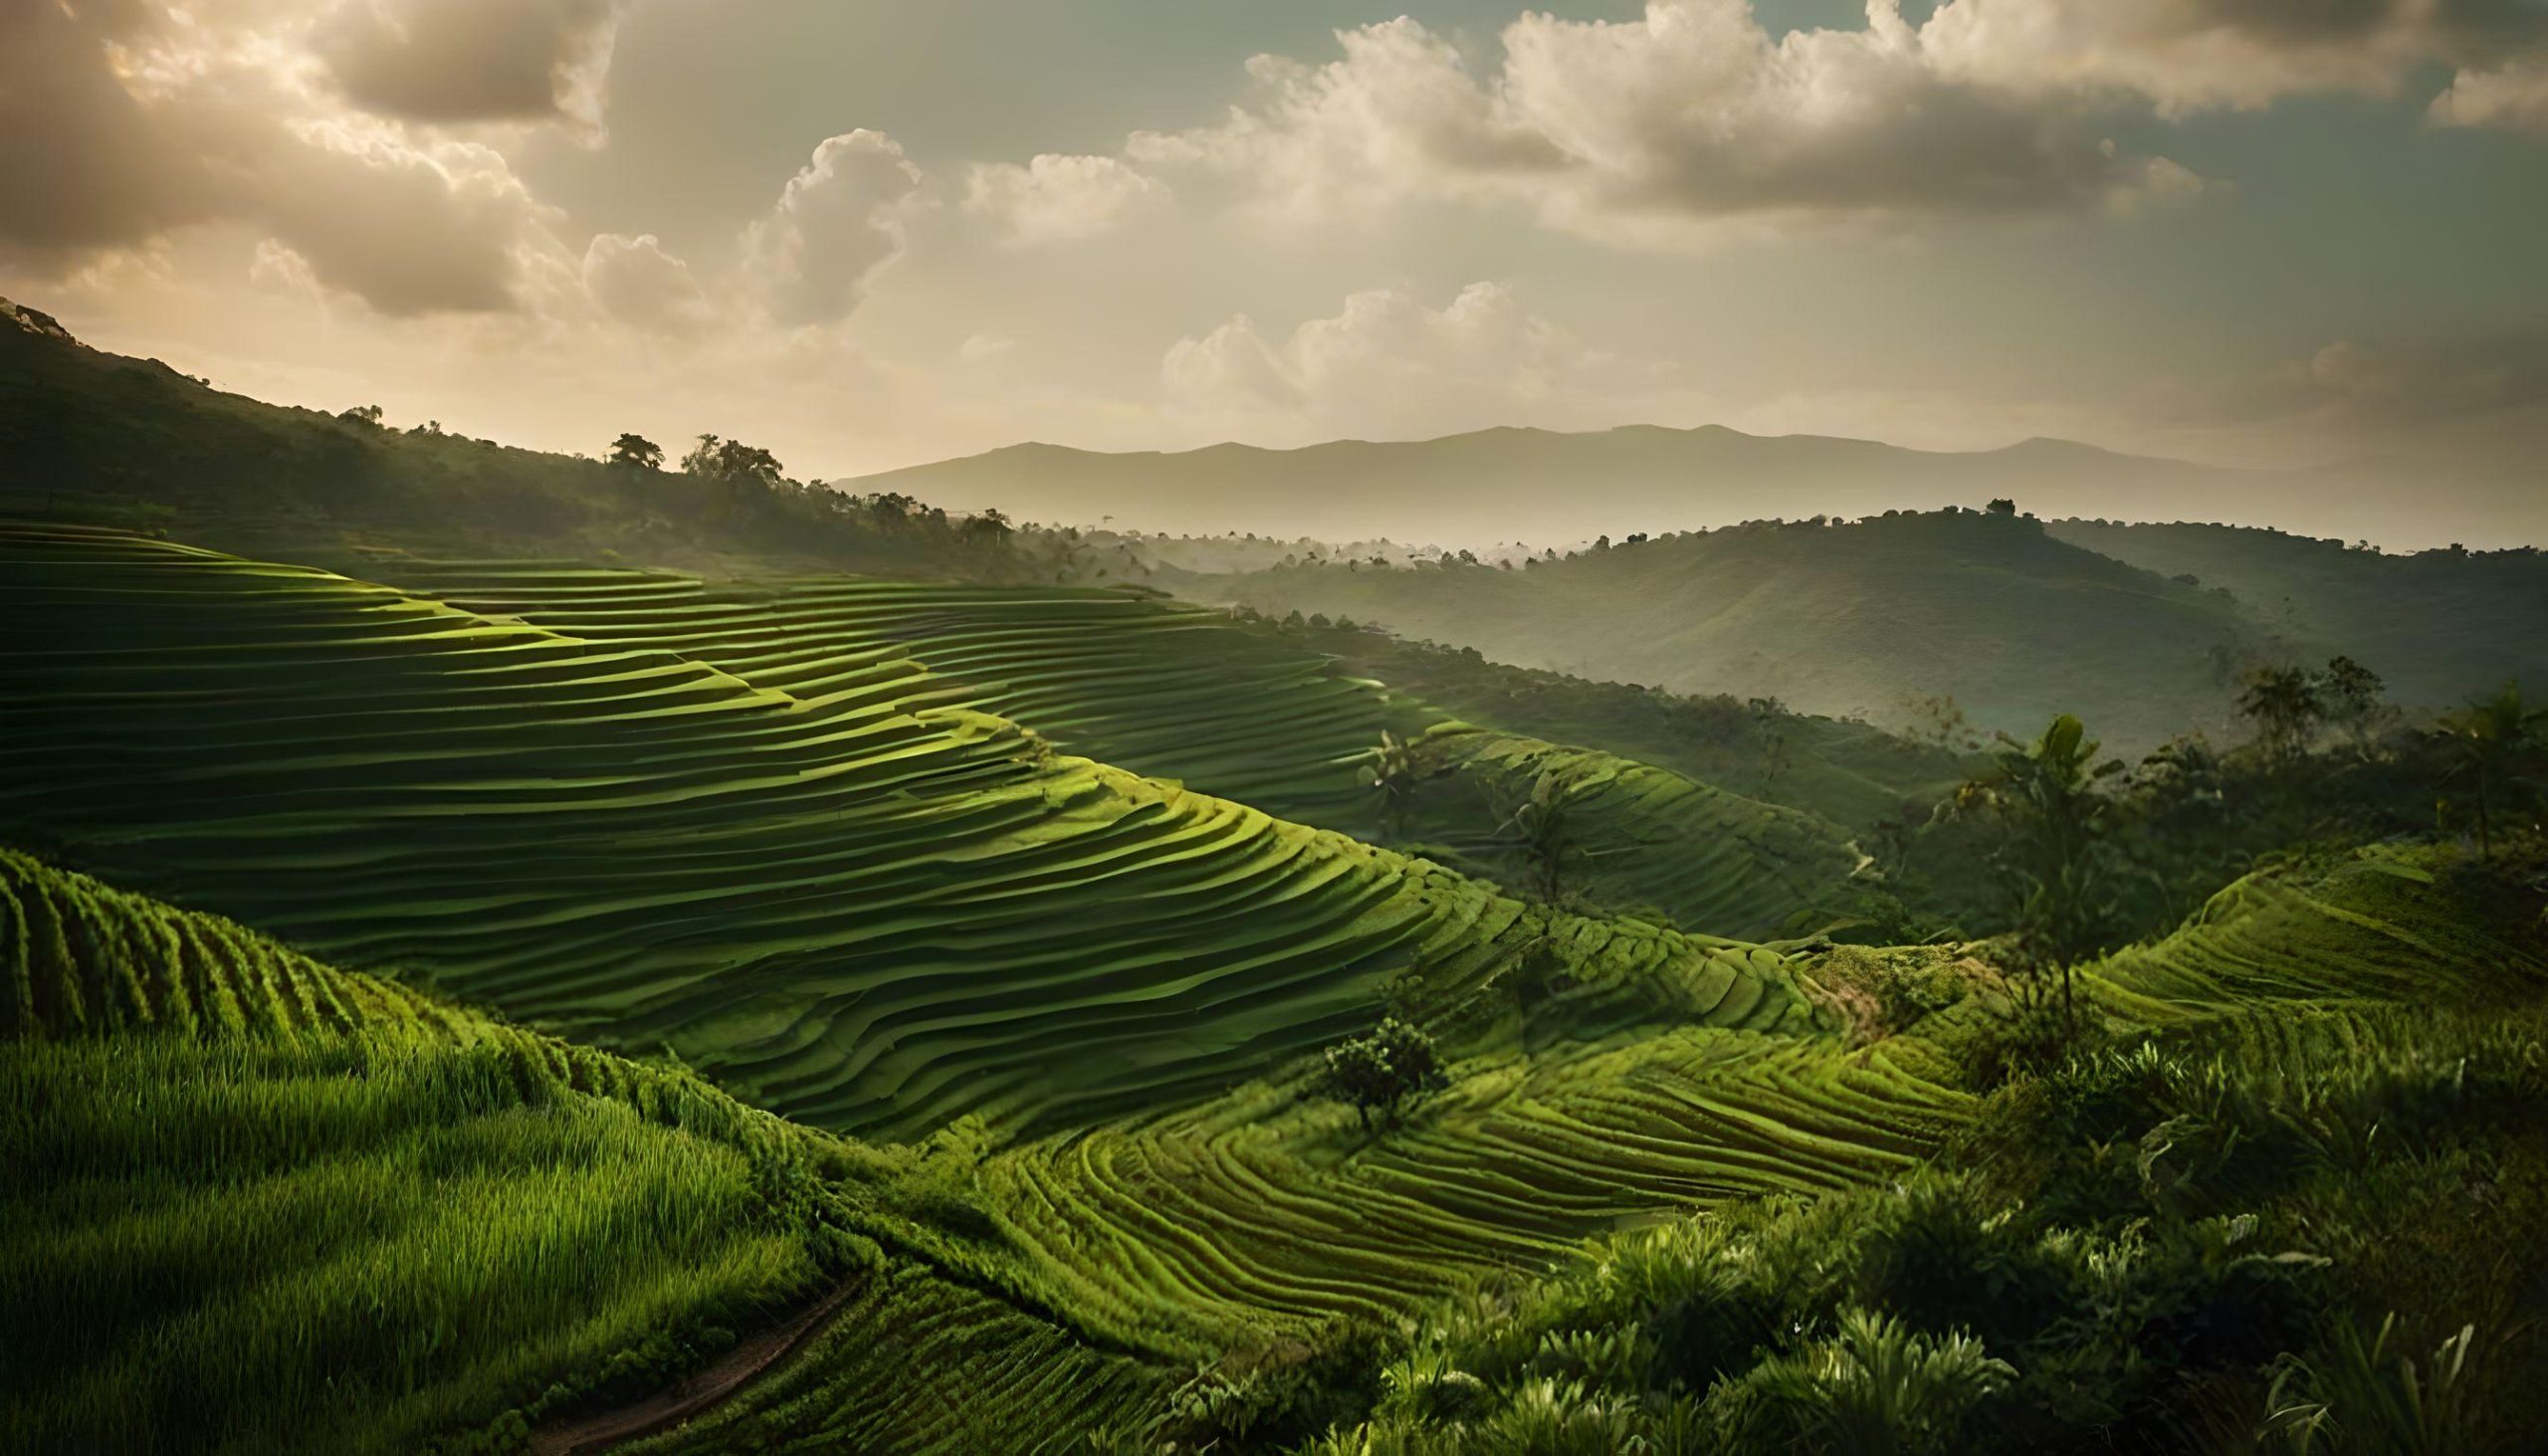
[
  {"x": 1869, "y": 617},
  {"x": 259, "y": 1205},
  {"x": 1185, "y": 694},
  {"x": 2437, "y": 625},
  {"x": 866, "y": 915}
]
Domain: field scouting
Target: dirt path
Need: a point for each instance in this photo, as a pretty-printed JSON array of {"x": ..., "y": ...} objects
[{"x": 676, "y": 1404}]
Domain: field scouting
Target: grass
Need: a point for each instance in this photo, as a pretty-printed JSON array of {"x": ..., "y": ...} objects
[
  {"x": 259, "y": 1205},
  {"x": 837, "y": 895},
  {"x": 1185, "y": 694},
  {"x": 780, "y": 831}
]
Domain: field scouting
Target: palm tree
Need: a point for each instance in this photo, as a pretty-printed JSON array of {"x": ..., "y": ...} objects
[
  {"x": 2495, "y": 742},
  {"x": 1395, "y": 770},
  {"x": 2285, "y": 704},
  {"x": 2053, "y": 853}
]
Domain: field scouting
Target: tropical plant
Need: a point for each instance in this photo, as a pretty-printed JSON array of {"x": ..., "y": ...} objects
[
  {"x": 2495, "y": 745},
  {"x": 1396, "y": 771},
  {"x": 2052, "y": 854},
  {"x": 1537, "y": 827},
  {"x": 2355, "y": 701},
  {"x": 2367, "y": 1396},
  {"x": 2287, "y": 704},
  {"x": 1873, "y": 1388}
]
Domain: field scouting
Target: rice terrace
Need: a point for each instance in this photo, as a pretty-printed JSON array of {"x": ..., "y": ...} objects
[{"x": 1698, "y": 726}]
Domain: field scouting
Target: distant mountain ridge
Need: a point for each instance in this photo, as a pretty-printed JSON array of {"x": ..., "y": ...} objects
[{"x": 1552, "y": 488}]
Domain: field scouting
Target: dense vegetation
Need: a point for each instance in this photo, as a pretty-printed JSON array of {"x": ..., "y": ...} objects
[
  {"x": 955, "y": 1009},
  {"x": 1891, "y": 617}
]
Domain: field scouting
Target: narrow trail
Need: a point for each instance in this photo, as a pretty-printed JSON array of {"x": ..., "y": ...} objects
[{"x": 679, "y": 1402}]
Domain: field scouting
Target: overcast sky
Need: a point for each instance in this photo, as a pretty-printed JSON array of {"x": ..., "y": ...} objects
[{"x": 867, "y": 234}]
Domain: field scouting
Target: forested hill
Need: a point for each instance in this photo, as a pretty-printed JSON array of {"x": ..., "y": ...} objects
[
  {"x": 1875, "y": 617},
  {"x": 2436, "y": 624},
  {"x": 99, "y": 438}
]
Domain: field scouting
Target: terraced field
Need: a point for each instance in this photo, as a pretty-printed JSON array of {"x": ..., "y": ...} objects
[
  {"x": 866, "y": 914},
  {"x": 258, "y": 1204},
  {"x": 2382, "y": 926},
  {"x": 1181, "y": 694}
]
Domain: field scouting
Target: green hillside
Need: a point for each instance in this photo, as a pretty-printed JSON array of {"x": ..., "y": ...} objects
[
  {"x": 862, "y": 913},
  {"x": 258, "y": 1204},
  {"x": 2438, "y": 625},
  {"x": 99, "y": 438},
  {"x": 1843, "y": 769},
  {"x": 1867, "y": 618},
  {"x": 1183, "y": 693}
]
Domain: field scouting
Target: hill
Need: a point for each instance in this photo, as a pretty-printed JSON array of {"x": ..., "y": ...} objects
[
  {"x": 1867, "y": 618},
  {"x": 1490, "y": 487},
  {"x": 1186, "y": 694},
  {"x": 261, "y": 1204},
  {"x": 2438, "y": 625},
  {"x": 99, "y": 438},
  {"x": 843, "y": 898}
]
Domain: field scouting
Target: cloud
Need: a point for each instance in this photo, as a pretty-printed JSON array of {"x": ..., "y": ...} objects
[
  {"x": 2187, "y": 55},
  {"x": 636, "y": 281},
  {"x": 2386, "y": 385},
  {"x": 447, "y": 61},
  {"x": 1645, "y": 131},
  {"x": 1056, "y": 198},
  {"x": 120, "y": 124},
  {"x": 1387, "y": 364},
  {"x": 1692, "y": 116},
  {"x": 838, "y": 220},
  {"x": 2512, "y": 96}
]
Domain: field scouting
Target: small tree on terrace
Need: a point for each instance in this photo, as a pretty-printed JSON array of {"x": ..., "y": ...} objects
[
  {"x": 636, "y": 452},
  {"x": 1382, "y": 1071}
]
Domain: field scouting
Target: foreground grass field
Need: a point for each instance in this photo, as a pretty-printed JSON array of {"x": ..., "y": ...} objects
[{"x": 259, "y": 1205}]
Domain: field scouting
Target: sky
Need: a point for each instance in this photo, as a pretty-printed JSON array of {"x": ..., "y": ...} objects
[{"x": 866, "y": 235}]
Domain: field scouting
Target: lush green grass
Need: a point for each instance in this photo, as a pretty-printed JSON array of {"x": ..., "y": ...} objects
[
  {"x": 850, "y": 905},
  {"x": 258, "y": 1204},
  {"x": 1183, "y": 693},
  {"x": 1846, "y": 770},
  {"x": 2192, "y": 1239}
]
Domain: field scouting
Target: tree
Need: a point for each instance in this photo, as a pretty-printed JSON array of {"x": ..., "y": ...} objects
[
  {"x": 1538, "y": 828},
  {"x": 2286, "y": 706},
  {"x": 988, "y": 528},
  {"x": 1397, "y": 771},
  {"x": 2003, "y": 507},
  {"x": 636, "y": 452},
  {"x": 1768, "y": 719},
  {"x": 1379, "y": 1072},
  {"x": 2353, "y": 698},
  {"x": 362, "y": 414},
  {"x": 732, "y": 463},
  {"x": 2495, "y": 745},
  {"x": 2053, "y": 847}
]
